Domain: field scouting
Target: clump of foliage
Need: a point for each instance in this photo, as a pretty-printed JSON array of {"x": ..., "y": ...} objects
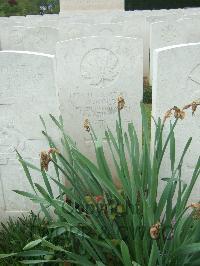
[
  {"x": 104, "y": 224},
  {"x": 27, "y": 7},
  {"x": 15, "y": 234}
]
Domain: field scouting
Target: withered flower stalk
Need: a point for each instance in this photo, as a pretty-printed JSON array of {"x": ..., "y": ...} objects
[
  {"x": 180, "y": 113},
  {"x": 177, "y": 112},
  {"x": 155, "y": 230},
  {"x": 195, "y": 205},
  {"x": 53, "y": 150},
  {"x": 45, "y": 159},
  {"x": 86, "y": 125},
  {"x": 193, "y": 106},
  {"x": 167, "y": 115},
  {"x": 196, "y": 210},
  {"x": 120, "y": 103}
]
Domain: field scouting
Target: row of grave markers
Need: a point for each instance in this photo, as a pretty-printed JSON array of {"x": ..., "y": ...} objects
[
  {"x": 82, "y": 80},
  {"x": 157, "y": 29}
]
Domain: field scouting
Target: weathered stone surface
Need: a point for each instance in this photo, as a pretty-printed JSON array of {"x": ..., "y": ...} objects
[
  {"x": 35, "y": 39},
  {"x": 42, "y": 21},
  {"x": 27, "y": 90},
  {"x": 167, "y": 33},
  {"x": 41, "y": 39},
  {"x": 176, "y": 82},
  {"x": 91, "y": 73},
  {"x": 91, "y": 17},
  {"x": 16, "y": 19},
  {"x": 66, "y": 5},
  {"x": 125, "y": 25},
  {"x": 69, "y": 31},
  {"x": 12, "y": 38}
]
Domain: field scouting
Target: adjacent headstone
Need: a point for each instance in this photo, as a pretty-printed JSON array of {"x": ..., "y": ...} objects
[
  {"x": 42, "y": 21},
  {"x": 66, "y": 5},
  {"x": 41, "y": 39},
  {"x": 35, "y": 39},
  {"x": 69, "y": 31},
  {"x": 15, "y": 19},
  {"x": 176, "y": 82},
  {"x": 91, "y": 17},
  {"x": 91, "y": 73},
  {"x": 12, "y": 38},
  {"x": 27, "y": 90},
  {"x": 163, "y": 34}
]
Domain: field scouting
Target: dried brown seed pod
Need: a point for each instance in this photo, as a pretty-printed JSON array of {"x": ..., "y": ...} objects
[
  {"x": 196, "y": 210},
  {"x": 167, "y": 115},
  {"x": 45, "y": 159},
  {"x": 120, "y": 103},
  {"x": 53, "y": 150},
  {"x": 178, "y": 113},
  {"x": 195, "y": 205},
  {"x": 86, "y": 125},
  {"x": 155, "y": 230}
]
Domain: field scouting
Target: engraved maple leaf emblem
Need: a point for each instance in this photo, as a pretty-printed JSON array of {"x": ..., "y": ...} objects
[{"x": 99, "y": 67}]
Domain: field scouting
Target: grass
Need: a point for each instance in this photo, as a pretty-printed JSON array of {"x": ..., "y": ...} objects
[{"x": 15, "y": 234}]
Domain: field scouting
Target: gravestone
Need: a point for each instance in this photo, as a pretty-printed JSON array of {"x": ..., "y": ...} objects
[
  {"x": 42, "y": 21},
  {"x": 69, "y": 31},
  {"x": 27, "y": 90},
  {"x": 41, "y": 39},
  {"x": 167, "y": 33},
  {"x": 34, "y": 39},
  {"x": 90, "y": 17},
  {"x": 12, "y": 38},
  {"x": 134, "y": 26},
  {"x": 176, "y": 82},
  {"x": 91, "y": 73},
  {"x": 17, "y": 19},
  {"x": 66, "y": 5}
]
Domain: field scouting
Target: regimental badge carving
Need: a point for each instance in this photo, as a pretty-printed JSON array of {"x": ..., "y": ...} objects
[
  {"x": 100, "y": 67},
  {"x": 16, "y": 39},
  {"x": 168, "y": 33}
]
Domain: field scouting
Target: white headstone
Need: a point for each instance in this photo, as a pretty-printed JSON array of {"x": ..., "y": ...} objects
[
  {"x": 163, "y": 34},
  {"x": 41, "y": 39},
  {"x": 66, "y": 5},
  {"x": 176, "y": 82},
  {"x": 91, "y": 17},
  {"x": 12, "y": 38},
  {"x": 27, "y": 90},
  {"x": 42, "y": 21},
  {"x": 91, "y": 73},
  {"x": 69, "y": 31},
  {"x": 16, "y": 19},
  {"x": 134, "y": 27},
  {"x": 35, "y": 39}
]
